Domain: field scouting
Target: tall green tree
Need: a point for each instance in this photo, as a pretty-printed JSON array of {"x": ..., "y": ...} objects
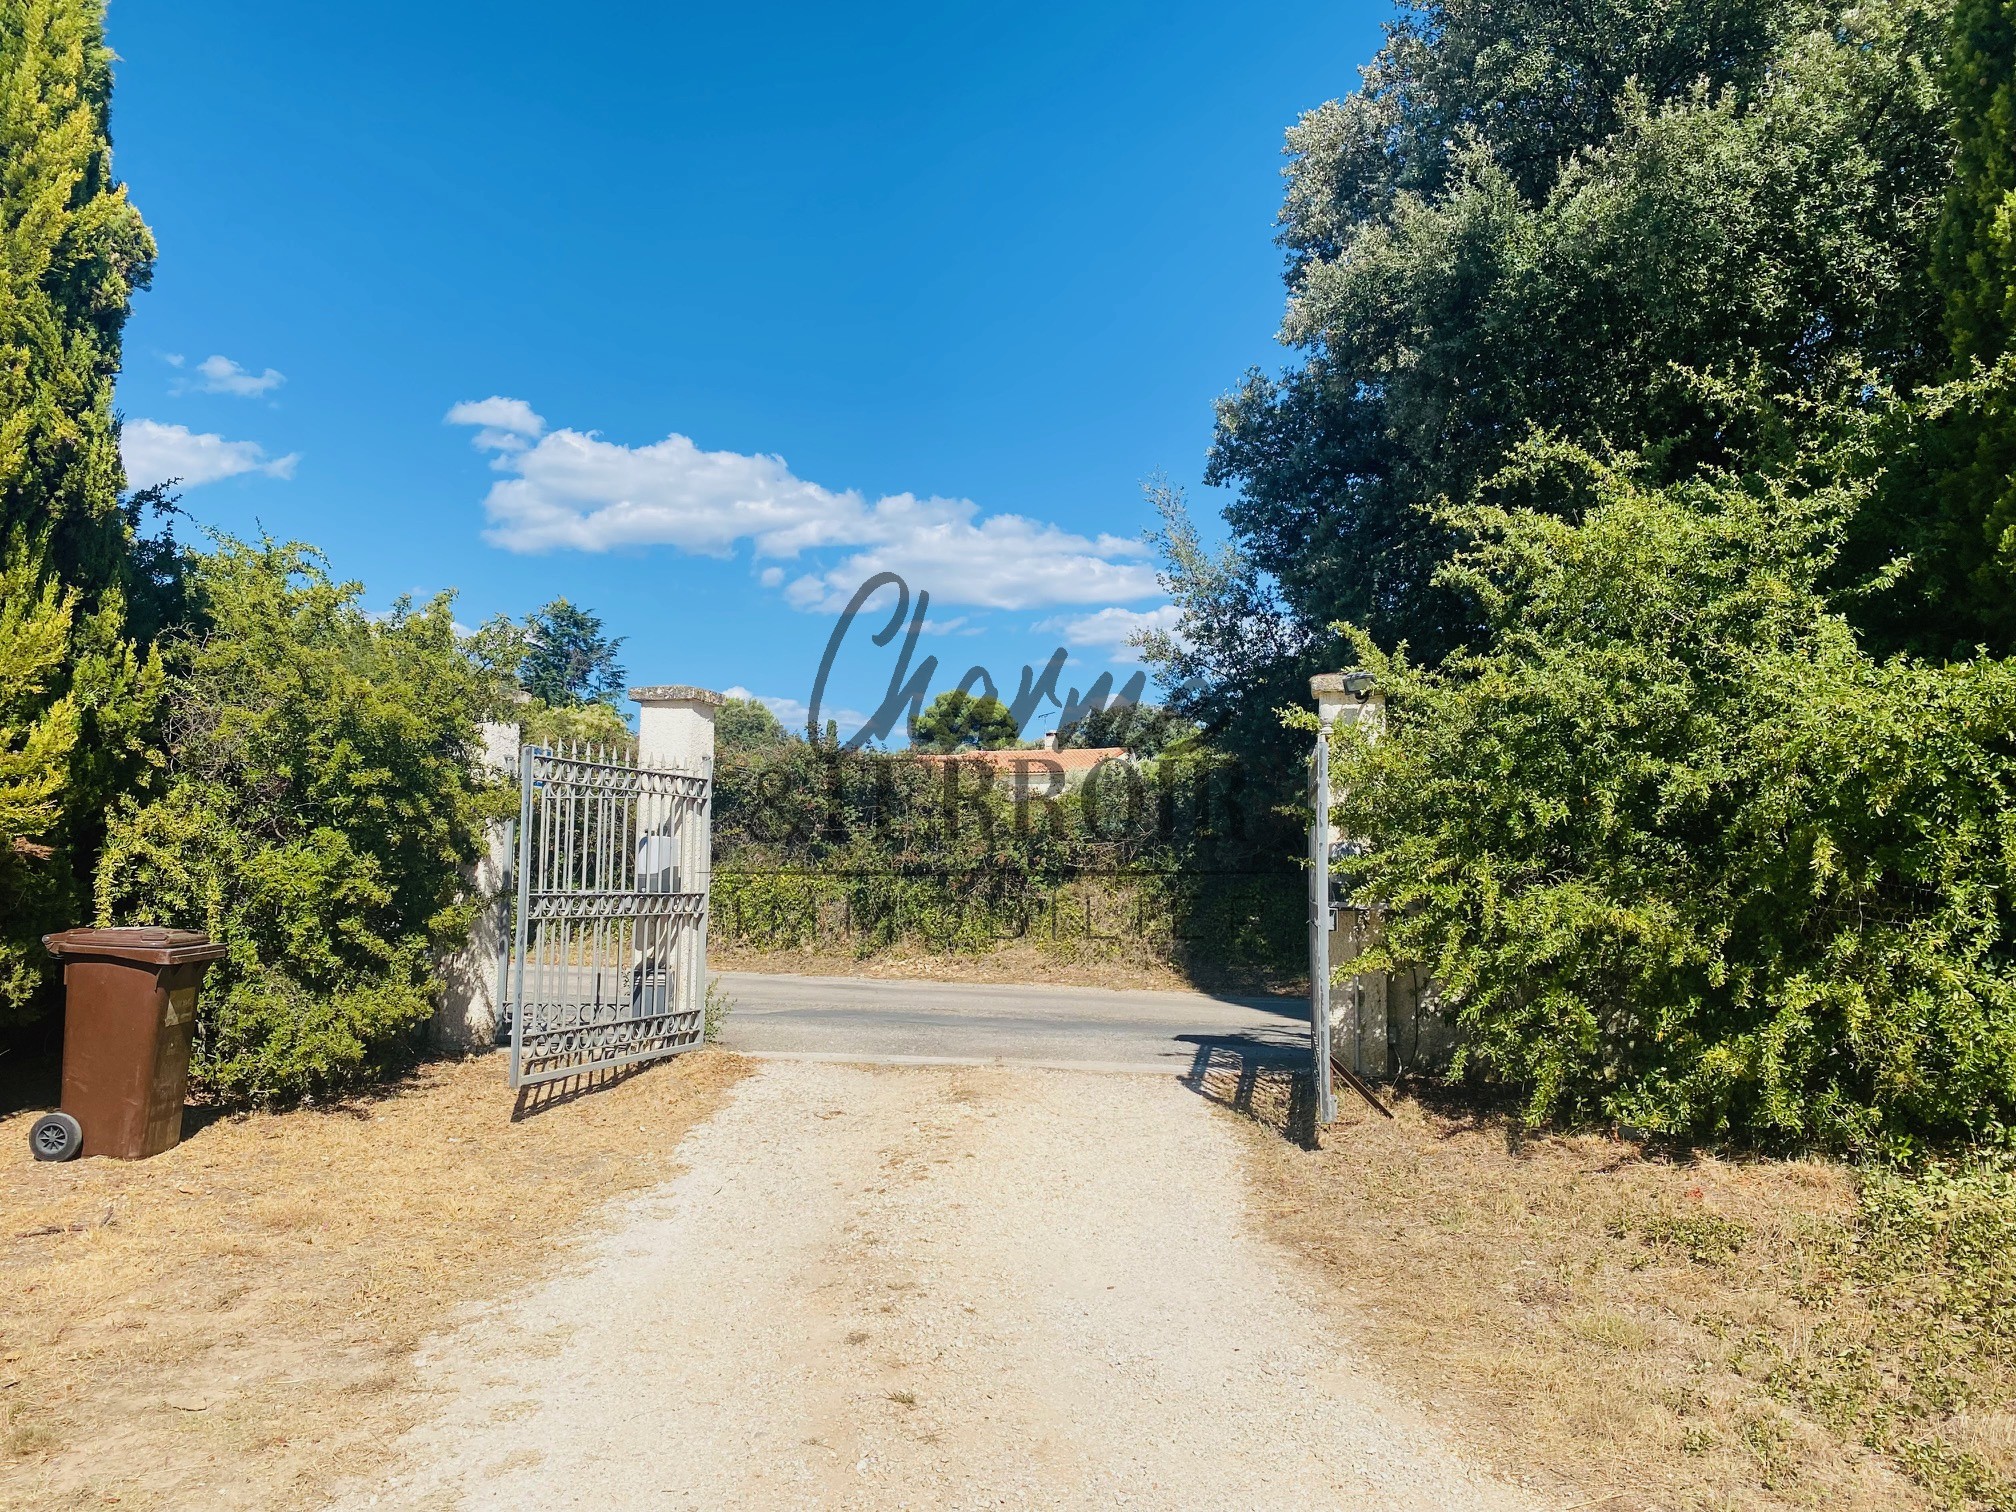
[
  {"x": 554, "y": 673},
  {"x": 1609, "y": 222},
  {"x": 1676, "y": 849},
  {"x": 1974, "y": 501},
  {"x": 1977, "y": 237},
  {"x": 569, "y": 660},
  {"x": 957, "y": 721},
  {"x": 72, "y": 250}
]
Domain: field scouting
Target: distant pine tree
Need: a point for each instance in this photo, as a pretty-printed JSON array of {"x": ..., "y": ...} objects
[
  {"x": 72, "y": 250},
  {"x": 568, "y": 661},
  {"x": 957, "y": 721}
]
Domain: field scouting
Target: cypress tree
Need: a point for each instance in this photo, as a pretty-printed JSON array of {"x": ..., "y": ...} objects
[{"x": 76, "y": 713}]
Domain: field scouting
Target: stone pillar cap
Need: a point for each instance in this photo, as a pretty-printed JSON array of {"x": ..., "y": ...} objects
[
  {"x": 1340, "y": 682},
  {"x": 677, "y": 693}
]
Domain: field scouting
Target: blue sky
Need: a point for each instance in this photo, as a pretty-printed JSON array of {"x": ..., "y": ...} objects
[{"x": 731, "y": 305}]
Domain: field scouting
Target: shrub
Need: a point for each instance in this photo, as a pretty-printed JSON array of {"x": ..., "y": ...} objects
[
  {"x": 318, "y": 809},
  {"x": 745, "y": 725},
  {"x": 885, "y": 848},
  {"x": 1680, "y": 852},
  {"x": 592, "y": 723}
]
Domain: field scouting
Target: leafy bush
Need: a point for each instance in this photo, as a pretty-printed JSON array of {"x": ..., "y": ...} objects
[
  {"x": 746, "y": 724},
  {"x": 550, "y": 725},
  {"x": 1679, "y": 851},
  {"x": 813, "y": 842},
  {"x": 317, "y": 812}
]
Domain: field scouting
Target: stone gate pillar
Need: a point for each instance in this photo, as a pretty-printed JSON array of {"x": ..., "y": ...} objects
[
  {"x": 1361, "y": 1029},
  {"x": 472, "y": 1004},
  {"x": 675, "y": 726},
  {"x": 1381, "y": 1022},
  {"x": 675, "y": 729}
]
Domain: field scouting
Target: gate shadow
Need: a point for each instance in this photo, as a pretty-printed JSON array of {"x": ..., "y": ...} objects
[
  {"x": 536, "y": 1099},
  {"x": 1258, "y": 1079}
]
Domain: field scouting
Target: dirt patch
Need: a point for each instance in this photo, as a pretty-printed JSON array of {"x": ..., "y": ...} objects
[
  {"x": 232, "y": 1323},
  {"x": 1634, "y": 1324}
]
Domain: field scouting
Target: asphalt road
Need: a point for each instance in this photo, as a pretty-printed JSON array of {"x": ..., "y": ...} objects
[{"x": 963, "y": 1023}]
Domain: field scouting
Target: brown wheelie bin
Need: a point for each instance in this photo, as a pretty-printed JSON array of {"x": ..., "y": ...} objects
[{"x": 130, "y": 1008}]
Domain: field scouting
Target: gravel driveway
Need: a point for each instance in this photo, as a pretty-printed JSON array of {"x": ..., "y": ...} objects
[{"x": 943, "y": 1287}]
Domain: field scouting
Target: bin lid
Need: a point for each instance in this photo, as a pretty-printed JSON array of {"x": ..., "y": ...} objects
[{"x": 147, "y": 945}]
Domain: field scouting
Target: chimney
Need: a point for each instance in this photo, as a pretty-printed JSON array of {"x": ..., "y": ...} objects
[{"x": 1049, "y": 740}]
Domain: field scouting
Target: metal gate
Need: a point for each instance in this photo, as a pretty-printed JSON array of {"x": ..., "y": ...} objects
[{"x": 609, "y": 953}]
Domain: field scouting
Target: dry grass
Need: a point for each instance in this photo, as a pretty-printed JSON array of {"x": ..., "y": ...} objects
[
  {"x": 1646, "y": 1333},
  {"x": 1015, "y": 963},
  {"x": 229, "y": 1324}
]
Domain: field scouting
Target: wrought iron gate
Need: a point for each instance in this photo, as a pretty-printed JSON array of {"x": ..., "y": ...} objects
[{"x": 609, "y": 953}]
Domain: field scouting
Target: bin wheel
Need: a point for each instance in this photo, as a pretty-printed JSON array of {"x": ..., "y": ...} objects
[{"x": 56, "y": 1136}]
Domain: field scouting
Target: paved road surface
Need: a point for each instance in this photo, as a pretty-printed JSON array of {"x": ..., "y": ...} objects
[
  {"x": 933, "y": 1288},
  {"x": 1088, "y": 1028}
]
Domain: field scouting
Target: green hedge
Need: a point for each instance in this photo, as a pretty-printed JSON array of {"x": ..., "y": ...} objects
[
  {"x": 817, "y": 847},
  {"x": 1680, "y": 852}
]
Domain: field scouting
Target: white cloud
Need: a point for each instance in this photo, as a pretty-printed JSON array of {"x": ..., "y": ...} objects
[
  {"x": 154, "y": 453},
  {"x": 498, "y": 413},
  {"x": 508, "y": 425},
  {"x": 1113, "y": 630},
  {"x": 771, "y": 577},
  {"x": 223, "y": 376},
  {"x": 995, "y": 562},
  {"x": 573, "y": 490},
  {"x": 792, "y": 714}
]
